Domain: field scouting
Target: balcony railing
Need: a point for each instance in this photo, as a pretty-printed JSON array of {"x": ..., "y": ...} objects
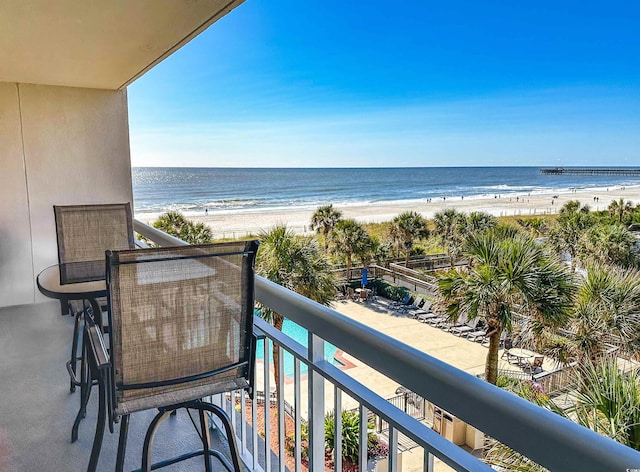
[{"x": 546, "y": 438}]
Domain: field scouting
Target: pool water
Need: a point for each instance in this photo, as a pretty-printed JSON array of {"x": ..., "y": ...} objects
[{"x": 300, "y": 335}]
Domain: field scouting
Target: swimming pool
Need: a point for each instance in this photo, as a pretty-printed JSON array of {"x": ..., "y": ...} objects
[{"x": 300, "y": 335}]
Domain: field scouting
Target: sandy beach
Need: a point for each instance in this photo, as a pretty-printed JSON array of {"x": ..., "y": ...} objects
[{"x": 235, "y": 224}]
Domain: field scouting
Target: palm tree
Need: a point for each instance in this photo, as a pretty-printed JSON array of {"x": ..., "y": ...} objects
[
  {"x": 324, "y": 220},
  {"x": 177, "y": 225},
  {"x": 620, "y": 209},
  {"x": 573, "y": 221},
  {"x": 607, "y": 305},
  {"x": 297, "y": 263},
  {"x": 350, "y": 239},
  {"x": 609, "y": 402},
  {"x": 171, "y": 222},
  {"x": 196, "y": 233},
  {"x": 507, "y": 273},
  {"x": 449, "y": 224},
  {"x": 479, "y": 221},
  {"x": 536, "y": 226},
  {"x": 406, "y": 227},
  {"x": 609, "y": 244}
]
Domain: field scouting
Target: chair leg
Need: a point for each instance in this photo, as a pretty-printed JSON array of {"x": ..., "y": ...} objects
[
  {"x": 231, "y": 437},
  {"x": 86, "y": 383},
  {"x": 97, "y": 440},
  {"x": 206, "y": 440},
  {"x": 74, "y": 349},
  {"x": 122, "y": 443},
  {"x": 148, "y": 439}
]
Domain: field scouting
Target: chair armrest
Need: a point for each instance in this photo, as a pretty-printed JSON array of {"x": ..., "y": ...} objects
[
  {"x": 139, "y": 243},
  {"x": 96, "y": 344}
]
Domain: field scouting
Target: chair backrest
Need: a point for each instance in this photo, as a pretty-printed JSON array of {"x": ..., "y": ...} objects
[
  {"x": 181, "y": 323},
  {"x": 85, "y": 232}
]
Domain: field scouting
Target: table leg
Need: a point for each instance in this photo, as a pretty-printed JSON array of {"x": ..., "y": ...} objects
[{"x": 86, "y": 383}]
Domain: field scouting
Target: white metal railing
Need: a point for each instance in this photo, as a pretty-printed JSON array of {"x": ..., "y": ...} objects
[{"x": 548, "y": 439}]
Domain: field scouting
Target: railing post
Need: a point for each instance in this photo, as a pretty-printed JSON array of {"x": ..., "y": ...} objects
[
  {"x": 316, "y": 406},
  {"x": 428, "y": 462},
  {"x": 364, "y": 436}
]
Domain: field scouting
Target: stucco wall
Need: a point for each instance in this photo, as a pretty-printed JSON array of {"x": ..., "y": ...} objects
[{"x": 58, "y": 146}]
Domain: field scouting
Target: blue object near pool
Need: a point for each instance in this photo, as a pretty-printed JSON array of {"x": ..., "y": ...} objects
[{"x": 300, "y": 335}]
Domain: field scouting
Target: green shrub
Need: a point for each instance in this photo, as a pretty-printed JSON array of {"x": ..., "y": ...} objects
[
  {"x": 387, "y": 290},
  {"x": 351, "y": 437}
]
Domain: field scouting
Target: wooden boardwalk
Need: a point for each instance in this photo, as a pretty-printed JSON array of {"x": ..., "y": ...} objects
[{"x": 633, "y": 172}]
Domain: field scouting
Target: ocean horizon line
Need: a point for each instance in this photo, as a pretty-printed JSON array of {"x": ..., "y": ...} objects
[{"x": 389, "y": 167}]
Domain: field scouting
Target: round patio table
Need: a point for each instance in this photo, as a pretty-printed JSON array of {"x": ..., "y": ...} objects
[
  {"x": 73, "y": 281},
  {"x": 521, "y": 354},
  {"x": 76, "y": 281}
]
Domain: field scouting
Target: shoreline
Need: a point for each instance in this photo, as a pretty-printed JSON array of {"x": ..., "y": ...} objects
[{"x": 231, "y": 224}]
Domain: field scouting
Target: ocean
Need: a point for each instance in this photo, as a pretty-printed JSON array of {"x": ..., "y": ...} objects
[{"x": 224, "y": 190}]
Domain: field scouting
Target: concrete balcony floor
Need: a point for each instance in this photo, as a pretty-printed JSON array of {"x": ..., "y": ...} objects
[{"x": 37, "y": 410}]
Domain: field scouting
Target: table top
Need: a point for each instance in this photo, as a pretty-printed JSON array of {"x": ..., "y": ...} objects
[
  {"x": 524, "y": 353},
  {"x": 73, "y": 280}
]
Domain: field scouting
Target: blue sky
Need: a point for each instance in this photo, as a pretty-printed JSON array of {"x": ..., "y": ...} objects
[{"x": 283, "y": 83}]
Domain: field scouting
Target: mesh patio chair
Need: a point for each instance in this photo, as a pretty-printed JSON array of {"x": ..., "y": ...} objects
[
  {"x": 182, "y": 330},
  {"x": 84, "y": 233},
  {"x": 508, "y": 344}
]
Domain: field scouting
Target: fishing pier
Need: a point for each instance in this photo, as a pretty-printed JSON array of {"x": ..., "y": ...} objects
[{"x": 633, "y": 172}]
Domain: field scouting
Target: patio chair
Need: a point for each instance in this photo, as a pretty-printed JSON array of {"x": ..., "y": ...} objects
[
  {"x": 535, "y": 366},
  {"x": 84, "y": 233},
  {"x": 508, "y": 344},
  {"x": 182, "y": 330}
]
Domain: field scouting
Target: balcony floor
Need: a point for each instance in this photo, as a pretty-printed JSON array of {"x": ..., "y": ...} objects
[{"x": 37, "y": 410}]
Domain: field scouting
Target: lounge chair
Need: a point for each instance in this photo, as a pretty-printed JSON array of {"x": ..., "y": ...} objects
[
  {"x": 424, "y": 318},
  {"x": 406, "y": 300},
  {"x": 466, "y": 328},
  {"x": 438, "y": 321},
  {"x": 423, "y": 310},
  {"x": 480, "y": 334},
  {"x": 415, "y": 305}
]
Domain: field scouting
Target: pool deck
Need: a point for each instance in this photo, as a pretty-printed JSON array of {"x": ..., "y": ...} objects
[{"x": 457, "y": 351}]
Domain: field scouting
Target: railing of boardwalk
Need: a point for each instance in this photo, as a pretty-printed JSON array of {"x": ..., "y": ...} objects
[{"x": 544, "y": 437}]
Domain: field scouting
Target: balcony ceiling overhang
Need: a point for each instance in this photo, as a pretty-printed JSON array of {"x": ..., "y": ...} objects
[{"x": 96, "y": 44}]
